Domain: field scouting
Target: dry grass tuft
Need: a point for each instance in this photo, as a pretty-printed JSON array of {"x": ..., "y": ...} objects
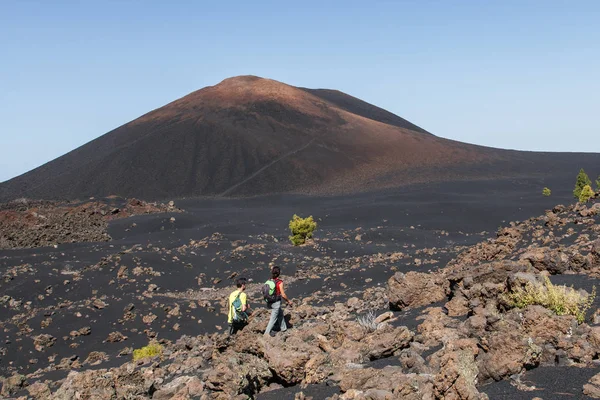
[{"x": 561, "y": 300}]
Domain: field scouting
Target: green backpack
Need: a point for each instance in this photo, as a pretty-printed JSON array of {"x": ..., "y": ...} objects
[
  {"x": 238, "y": 314},
  {"x": 268, "y": 291}
]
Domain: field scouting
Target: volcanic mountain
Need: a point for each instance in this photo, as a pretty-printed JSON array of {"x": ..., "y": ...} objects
[{"x": 249, "y": 136}]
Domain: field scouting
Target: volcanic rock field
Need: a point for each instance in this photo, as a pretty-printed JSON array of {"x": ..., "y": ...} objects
[{"x": 431, "y": 261}]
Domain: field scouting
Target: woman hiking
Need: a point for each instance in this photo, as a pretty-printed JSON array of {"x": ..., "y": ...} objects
[{"x": 274, "y": 302}]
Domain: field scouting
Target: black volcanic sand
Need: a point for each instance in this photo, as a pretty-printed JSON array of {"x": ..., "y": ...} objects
[
  {"x": 320, "y": 391},
  {"x": 177, "y": 269},
  {"x": 554, "y": 383}
]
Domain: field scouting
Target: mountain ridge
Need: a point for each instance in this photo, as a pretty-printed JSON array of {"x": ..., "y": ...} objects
[{"x": 250, "y": 136}]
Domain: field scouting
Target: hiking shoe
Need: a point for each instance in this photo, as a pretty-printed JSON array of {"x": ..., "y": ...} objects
[{"x": 272, "y": 334}]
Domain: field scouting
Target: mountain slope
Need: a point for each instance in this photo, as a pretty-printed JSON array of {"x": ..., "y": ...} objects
[
  {"x": 361, "y": 108},
  {"x": 249, "y": 135}
]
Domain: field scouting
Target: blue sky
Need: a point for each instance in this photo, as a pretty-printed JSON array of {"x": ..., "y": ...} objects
[{"x": 511, "y": 74}]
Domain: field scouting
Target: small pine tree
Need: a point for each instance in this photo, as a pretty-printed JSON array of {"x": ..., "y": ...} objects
[
  {"x": 586, "y": 194},
  {"x": 582, "y": 181},
  {"x": 301, "y": 229},
  {"x": 546, "y": 192}
]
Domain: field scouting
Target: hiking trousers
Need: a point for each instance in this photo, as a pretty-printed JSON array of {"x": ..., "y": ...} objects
[{"x": 276, "y": 319}]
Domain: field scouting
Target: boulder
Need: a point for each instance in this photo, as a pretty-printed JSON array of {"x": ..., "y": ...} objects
[
  {"x": 180, "y": 387},
  {"x": 457, "y": 376},
  {"x": 437, "y": 327},
  {"x": 122, "y": 382},
  {"x": 233, "y": 373},
  {"x": 96, "y": 384},
  {"x": 386, "y": 341},
  {"x": 12, "y": 384},
  {"x": 39, "y": 391},
  {"x": 288, "y": 363},
  {"x": 412, "y": 362},
  {"x": 593, "y": 258},
  {"x": 507, "y": 353},
  {"x": 592, "y": 388},
  {"x": 387, "y": 383},
  {"x": 414, "y": 289},
  {"x": 546, "y": 259}
]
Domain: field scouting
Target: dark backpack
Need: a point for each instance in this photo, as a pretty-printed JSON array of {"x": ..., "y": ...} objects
[{"x": 269, "y": 291}]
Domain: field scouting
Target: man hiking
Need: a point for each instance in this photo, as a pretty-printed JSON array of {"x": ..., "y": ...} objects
[
  {"x": 238, "y": 307},
  {"x": 273, "y": 293}
]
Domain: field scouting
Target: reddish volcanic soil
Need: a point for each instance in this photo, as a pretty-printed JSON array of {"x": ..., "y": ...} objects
[{"x": 249, "y": 136}]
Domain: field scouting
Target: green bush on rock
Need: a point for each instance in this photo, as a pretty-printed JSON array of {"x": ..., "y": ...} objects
[
  {"x": 301, "y": 229},
  {"x": 546, "y": 192}
]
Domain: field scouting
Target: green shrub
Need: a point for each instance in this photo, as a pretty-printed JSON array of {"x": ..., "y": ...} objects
[
  {"x": 582, "y": 181},
  {"x": 560, "y": 299},
  {"x": 586, "y": 194},
  {"x": 301, "y": 229},
  {"x": 598, "y": 184},
  {"x": 297, "y": 240},
  {"x": 153, "y": 349},
  {"x": 546, "y": 192}
]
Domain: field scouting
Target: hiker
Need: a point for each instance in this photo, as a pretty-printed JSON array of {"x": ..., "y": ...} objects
[
  {"x": 273, "y": 293},
  {"x": 238, "y": 307}
]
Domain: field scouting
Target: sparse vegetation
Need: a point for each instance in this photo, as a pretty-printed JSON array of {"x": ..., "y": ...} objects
[
  {"x": 152, "y": 350},
  {"x": 586, "y": 194},
  {"x": 546, "y": 192},
  {"x": 561, "y": 300},
  {"x": 583, "y": 180},
  {"x": 367, "y": 321},
  {"x": 301, "y": 229},
  {"x": 598, "y": 184}
]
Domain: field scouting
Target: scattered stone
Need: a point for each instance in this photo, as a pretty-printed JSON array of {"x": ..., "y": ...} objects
[
  {"x": 95, "y": 358},
  {"x": 122, "y": 273},
  {"x": 99, "y": 304},
  {"x": 148, "y": 319},
  {"x": 384, "y": 317},
  {"x": 86, "y": 330},
  {"x": 115, "y": 337},
  {"x": 42, "y": 342},
  {"x": 353, "y": 302}
]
